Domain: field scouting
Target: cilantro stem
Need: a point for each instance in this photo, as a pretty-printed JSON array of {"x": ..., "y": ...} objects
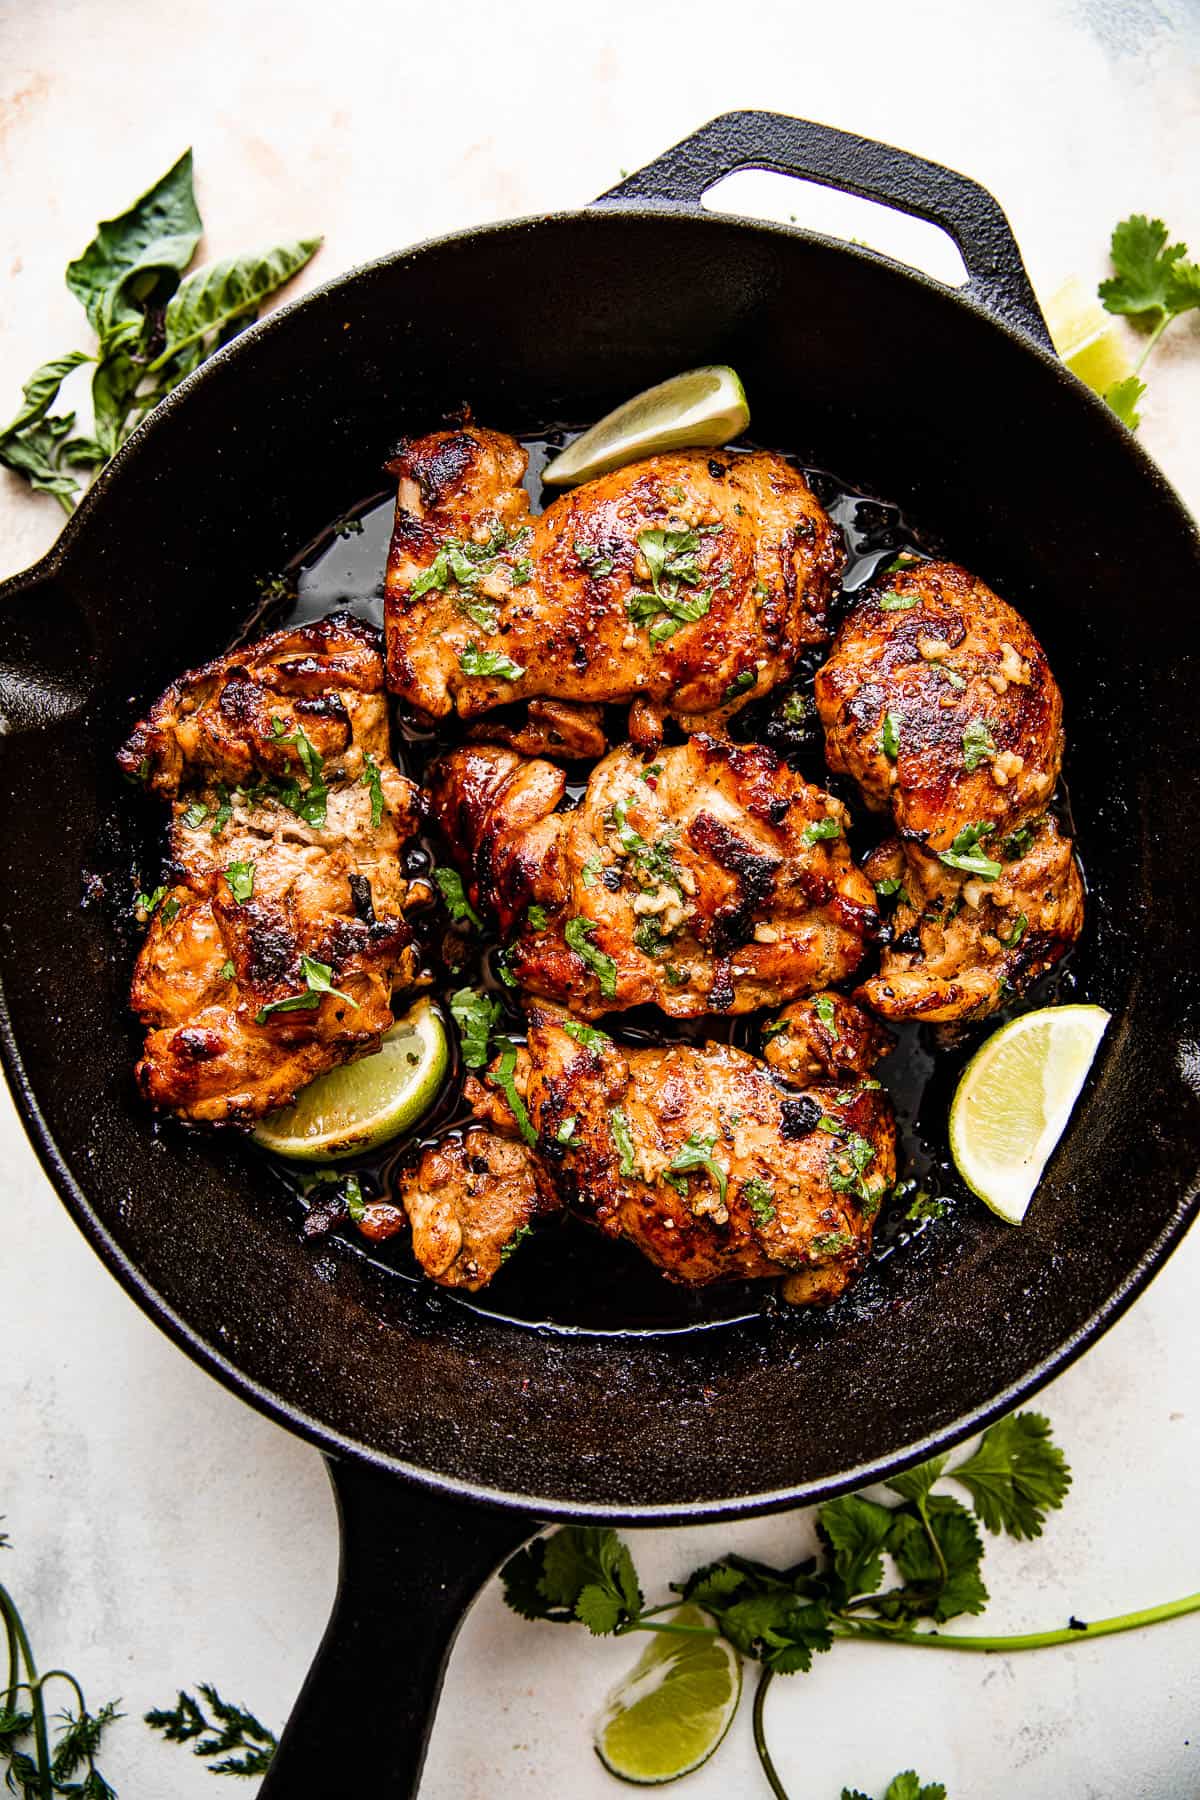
[
  {"x": 1152, "y": 340},
  {"x": 641, "y": 1623},
  {"x": 18, "y": 1635},
  {"x": 1031, "y": 1640},
  {"x": 760, "y": 1737}
]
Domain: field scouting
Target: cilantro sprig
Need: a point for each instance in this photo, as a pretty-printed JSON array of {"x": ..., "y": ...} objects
[
  {"x": 783, "y": 1618},
  {"x": 1154, "y": 285}
]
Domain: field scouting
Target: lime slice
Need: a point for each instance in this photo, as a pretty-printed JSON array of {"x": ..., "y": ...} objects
[
  {"x": 1014, "y": 1099},
  {"x": 673, "y": 1708},
  {"x": 1087, "y": 338},
  {"x": 364, "y": 1103},
  {"x": 699, "y": 410}
]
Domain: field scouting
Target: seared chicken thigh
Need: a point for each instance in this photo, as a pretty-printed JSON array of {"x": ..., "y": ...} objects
[
  {"x": 696, "y": 1155},
  {"x": 711, "y": 879},
  {"x": 275, "y": 950},
  {"x": 686, "y": 584},
  {"x": 470, "y": 1200},
  {"x": 939, "y": 701}
]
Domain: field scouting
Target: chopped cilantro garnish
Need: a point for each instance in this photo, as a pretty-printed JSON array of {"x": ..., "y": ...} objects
[
  {"x": 476, "y": 1016},
  {"x": 537, "y": 917},
  {"x": 518, "y": 1237},
  {"x": 240, "y": 876},
  {"x": 966, "y": 852},
  {"x": 826, "y": 1011},
  {"x": 952, "y": 675},
  {"x": 696, "y": 1153},
  {"x": 577, "y": 933},
  {"x": 742, "y": 682},
  {"x": 978, "y": 744},
  {"x": 592, "y": 559},
  {"x": 196, "y": 814},
  {"x": 890, "y": 736},
  {"x": 224, "y": 810},
  {"x": 587, "y": 1035},
  {"x": 623, "y": 1138},
  {"x": 760, "y": 1199},
  {"x": 227, "y": 971},
  {"x": 318, "y": 978},
  {"x": 820, "y": 829},
  {"x": 502, "y": 1077},
  {"x": 1020, "y": 927},
  {"x": 474, "y": 661},
  {"x": 894, "y": 602},
  {"x": 455, "y": 895}
]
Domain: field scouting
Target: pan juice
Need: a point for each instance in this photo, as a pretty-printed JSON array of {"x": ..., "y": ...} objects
[{"x": 569, "y": 1277}]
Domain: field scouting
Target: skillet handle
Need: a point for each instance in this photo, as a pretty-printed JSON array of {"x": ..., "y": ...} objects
[
  {"x": 411, "y": 1563},
  {"x": 962, "y": 209}
]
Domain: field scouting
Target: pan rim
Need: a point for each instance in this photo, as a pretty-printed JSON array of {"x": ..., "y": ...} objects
[{"x": 206, "y": 1354}]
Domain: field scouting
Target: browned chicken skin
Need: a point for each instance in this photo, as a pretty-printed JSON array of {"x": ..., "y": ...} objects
[
  {"x": 687, "y": 583},
  {"x": 939, "y": 701},
  {"x": 701, "y": 1159},
  {"x": 469, "y": 1201},
  {"x": 711, "y": 879},
  {"x": 287, "y": 819}
]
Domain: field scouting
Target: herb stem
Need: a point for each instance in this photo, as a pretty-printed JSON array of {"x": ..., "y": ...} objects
[
  {"x": 1152, "y": 340},
  {"x": 760, "y": 1737},
  {"x": 17, "y": 1632},
  {"x": 643, "y": 1624},
  {"x": 1031, "y": 1640}
]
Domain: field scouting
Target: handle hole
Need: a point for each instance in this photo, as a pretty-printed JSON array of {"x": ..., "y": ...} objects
[{"x": 764, "y": 194}]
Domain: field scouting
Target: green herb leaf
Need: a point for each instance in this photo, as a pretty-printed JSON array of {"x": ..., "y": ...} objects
[
  {"x": 240, "y": 876},
  {"x": 582, "y": 1572},
  {"x": 857, "y": 1533},
  {"x": 476, "y": 1016},
  {"x": 978, "y": 744},
  {"x": 41, "y": 391},
  {"x": 894, "y": 602},
  {"x": 318, "y": 977},
  {"x": 1016, "y": 1475},
  {"x": 592, "y": 559},
  {"x": 372, "y": 778},
  {"x": 760, "y": 1199},
  {"x": 938, "y": 1554},
  {"x": 819, "y": 830},
  {"x": 515, "y": 1241},
  {"x": 227, "y": 971},
  {"x": 742, "y": 682},
  {"x": 966, "y": 853},
  {"x": 36, "y": 454},
  {"x": 537, "y": 917},
  {"x": 207, "y": 302},
  {"x": 455, "y": 895},
  {"x": 587, "y": 1035},
  {"x": 697, "y": 1153},
  {"x": 777, "y": 1616},
  {"x": 224, "y": 810},
  {"x": 889, "y": 737},
  {"x": 1153, "y": 281},
  {"x": 503, "y": 1077},
  {"x": 623, "y": 1139},
  {"x": 671, "y": 558},
  {"x": 1123, "y": 397},
  {"x": 951, "y": 675},
  {"x": 230, "y": 1729},
  {"x": 135, "y": 257},
  {"x": 577, "y": 933},
  {"x": 195, "y": 814},
  {"x": 1020, "y": 927},
  {"x": 474, "y": 661},
  {"x": 826, "y": 1011}
]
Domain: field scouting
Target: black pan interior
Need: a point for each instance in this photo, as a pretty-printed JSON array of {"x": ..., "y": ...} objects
[{"x": 999, "y": 459}]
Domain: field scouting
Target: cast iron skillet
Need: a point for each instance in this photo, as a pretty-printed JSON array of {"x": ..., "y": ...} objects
[{"x": 948, "y": 401}]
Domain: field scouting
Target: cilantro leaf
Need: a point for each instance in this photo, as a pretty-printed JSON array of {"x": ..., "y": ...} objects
[
  {"x": 371, "y": 778},
  {"x": 826, "y": 1011},
  {"x": 1123, "y": 397},
  {"x": 577, "y": 933},
  {"x": 778, "y": 1616},
  {"x": 474, "y": 661},
  {"x": 914, "y": 1484},
  {"x": 582, "y": 1572},
  {"x": 896, "y": 602},
  {"x": 476, "y": 1016},
  {"x": 318, "y": 978},
  {"x": 697, "y": 1153},
  {"x": 889, "y": 737},
  {"x": 1148, "y": 280},
  {"x": 819, "y": 829},
  {"x": 240, "y": 876},
  {"x": 966, "y": 853},
  {"x": 1016, "y": 1475},
  {"x": 623, "y": 1138},
  {"x": 588, "y": 1035},
  {"x": 760, "y": 1199},
  {"x": 857, "y": 1532},
  {"x": 938, "y": 1554},
  {"x": 503, "y": 1076},
  {"x": 455, "y": 895},
  {"x": 978, "y": 744}
]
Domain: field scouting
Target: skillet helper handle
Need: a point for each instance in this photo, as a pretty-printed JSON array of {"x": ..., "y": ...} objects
[
  {"x": 966, "y": 212},
  {"x": 411, "y": 1564}
]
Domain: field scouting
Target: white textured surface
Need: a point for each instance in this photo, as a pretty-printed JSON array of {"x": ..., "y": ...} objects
[{"x": 163, "y": 1532}]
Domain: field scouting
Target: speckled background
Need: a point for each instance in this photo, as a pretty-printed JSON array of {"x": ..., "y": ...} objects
[{"x": 163, "y": 1533}]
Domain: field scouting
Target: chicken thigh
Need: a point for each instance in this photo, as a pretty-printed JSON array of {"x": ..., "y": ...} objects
[
  {"x": 686, "y": 584},
  {"x": 711, "y": 879},
  {"x": 278, "y": 936},
  {"x": 939, "y": 701}
]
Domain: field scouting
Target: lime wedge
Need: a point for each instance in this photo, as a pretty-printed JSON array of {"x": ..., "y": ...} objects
[
  {"x": 673, "y": 1708},
  {"x": 364, "y": 1103},
  {"x": 1087, "y": 338},
  {"x": 1014, "y": 1099},
  {"x": 699, "y": 410}
]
